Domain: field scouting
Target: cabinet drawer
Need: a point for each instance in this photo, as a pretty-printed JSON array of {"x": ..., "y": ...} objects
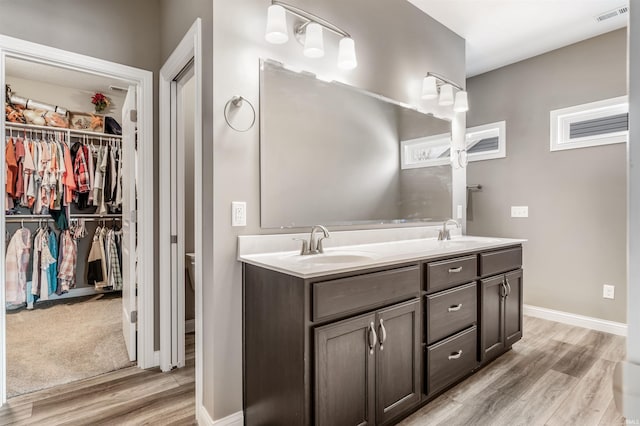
[
  {"x": 451, "y": 311},
  {"x": 448, "y": 273},
  {"x": 495, "y": 262},
  {"x": 451, "y": 359},
  {"x": 363, "y": 292}
]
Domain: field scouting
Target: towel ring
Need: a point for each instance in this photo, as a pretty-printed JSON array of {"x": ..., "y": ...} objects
[{"x": 237, "y": 102}]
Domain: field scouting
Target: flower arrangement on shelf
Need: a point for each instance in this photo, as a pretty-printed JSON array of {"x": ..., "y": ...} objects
[{"x": 100, "y": 101}]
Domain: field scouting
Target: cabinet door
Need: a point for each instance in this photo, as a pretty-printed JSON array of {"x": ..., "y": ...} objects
[
  {"x": 492, "y": 291},
  {"x": 513, "y": 308},
  {"x": 398, "y": 378},
  {"x": 345, "y": 372}
]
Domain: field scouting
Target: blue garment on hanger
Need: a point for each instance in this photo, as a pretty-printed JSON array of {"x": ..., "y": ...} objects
[{"x": 52, "y": 272}]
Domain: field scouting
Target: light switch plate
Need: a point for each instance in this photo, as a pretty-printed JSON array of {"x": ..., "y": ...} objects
[
  {"x": 608, "y": 291},
  {"x": 238, "y": 213},
  {"x": 519, "y": 211}
]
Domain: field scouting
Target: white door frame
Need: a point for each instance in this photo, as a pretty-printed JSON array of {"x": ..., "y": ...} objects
[
  {"x": 143, "y": 80},
  {"x": 190, "y": 48}
]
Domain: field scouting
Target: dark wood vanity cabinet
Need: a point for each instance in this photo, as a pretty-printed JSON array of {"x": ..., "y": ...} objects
[
  {"x": 367, "y": 368},
  {"x": 369, "y": 347},
  {"x": 501, "y": 313}
]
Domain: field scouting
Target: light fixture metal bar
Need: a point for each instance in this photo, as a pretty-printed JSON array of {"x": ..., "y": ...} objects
[
  {"x": 300, "y": 13},
  {"x": 444, "y": 79}
]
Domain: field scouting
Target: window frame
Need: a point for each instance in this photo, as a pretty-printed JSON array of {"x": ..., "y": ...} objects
[
  {"x": 501, "y": 152},
  {"x": 561, "y": 120}
]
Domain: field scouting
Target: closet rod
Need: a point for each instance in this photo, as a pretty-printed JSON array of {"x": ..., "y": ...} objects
[
  {"x": 72, "y": 132},
  {"x": 73, "y": 216},
  {"x": 15, "y": 219}
]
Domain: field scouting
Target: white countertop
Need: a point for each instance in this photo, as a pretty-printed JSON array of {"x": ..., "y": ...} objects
[{"x": 364, "y": 256}]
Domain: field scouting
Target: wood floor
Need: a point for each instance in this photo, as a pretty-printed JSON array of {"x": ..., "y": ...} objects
[
  {"x": 556, "y": 375},
  {"x": 125, "y": 397}
]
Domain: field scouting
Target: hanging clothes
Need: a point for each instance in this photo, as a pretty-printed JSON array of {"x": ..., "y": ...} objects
[
  {"x": 68, "y": 258},
  {"x": 52, "y": 271},
  {"x": 97, "y": 266},
  {"x": 42, "y": 259},
  {"x": 115, "y": 268},
  {"x": 16, "y": 265}
]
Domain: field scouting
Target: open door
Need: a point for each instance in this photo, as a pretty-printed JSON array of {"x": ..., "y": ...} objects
[{"x": 129, "y": 245}]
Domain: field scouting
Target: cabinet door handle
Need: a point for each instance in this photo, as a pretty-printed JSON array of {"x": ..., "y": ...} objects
[
  {"x": 383, "y": 334},
  {"x": 453, "y": 270},
  {"x": 373, "y": 338},
  {"x": 454, "y": 308},
  {"x": 455, "y": 355},
  {"x": 508, "y": 286},
  {"x": 503, "y": 290}
]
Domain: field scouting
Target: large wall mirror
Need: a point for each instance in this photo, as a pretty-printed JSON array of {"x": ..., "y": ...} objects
[{"x": 331, "y": 154}]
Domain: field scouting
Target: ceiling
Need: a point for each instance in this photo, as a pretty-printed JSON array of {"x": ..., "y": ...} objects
[
  {"x": 501, "y": 32},
  {"x": 61, "y": 76}
]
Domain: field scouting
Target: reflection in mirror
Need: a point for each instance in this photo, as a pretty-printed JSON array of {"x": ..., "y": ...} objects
[{"x": 331, "y": 154}]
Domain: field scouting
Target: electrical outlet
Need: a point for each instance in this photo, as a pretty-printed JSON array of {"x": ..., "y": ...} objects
[
  {"x": 608, "y": 291},
  {"x": 238, "y": 213},
  {"x": 519, "y": 211}
]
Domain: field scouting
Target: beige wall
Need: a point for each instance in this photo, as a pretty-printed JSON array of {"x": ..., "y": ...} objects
[
  {"x": 577, "y": 198},
  {"x": 396, "y": 44}
]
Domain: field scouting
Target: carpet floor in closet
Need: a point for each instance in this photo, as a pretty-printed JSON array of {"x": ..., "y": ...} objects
[{"x": 64, "y": 341}]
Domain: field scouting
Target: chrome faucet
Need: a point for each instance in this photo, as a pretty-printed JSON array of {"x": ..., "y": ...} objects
[
  {"x": 314, "y": 246},
  {"x": 444, "y": 233}
]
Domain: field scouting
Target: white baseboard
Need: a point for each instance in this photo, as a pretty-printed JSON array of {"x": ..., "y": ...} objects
[
  {"x": 578, "y": 320},
  {"x": 204, "y": 419},
  {"x": 190, "y": 326}
]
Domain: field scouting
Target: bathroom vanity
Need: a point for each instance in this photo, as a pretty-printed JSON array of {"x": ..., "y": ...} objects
[{"x": 367, "y": 334}]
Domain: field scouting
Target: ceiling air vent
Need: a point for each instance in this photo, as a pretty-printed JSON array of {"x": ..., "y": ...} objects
[{"x": 612, "y": 13}]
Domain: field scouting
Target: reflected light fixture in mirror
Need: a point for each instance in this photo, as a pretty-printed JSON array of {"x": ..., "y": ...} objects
[
  {"x": 311, "y": 31},
  {"x": 432, "y": 83}
]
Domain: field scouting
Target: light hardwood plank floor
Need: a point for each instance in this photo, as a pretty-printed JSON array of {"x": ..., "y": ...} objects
[
  {"x": 556, "y": 375},
  {"x": 125, "y": 397}
]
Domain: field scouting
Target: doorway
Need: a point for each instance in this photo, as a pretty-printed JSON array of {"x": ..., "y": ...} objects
[
  {"x": 181, "y": 206},
  {"x": 133, "y": 310}
]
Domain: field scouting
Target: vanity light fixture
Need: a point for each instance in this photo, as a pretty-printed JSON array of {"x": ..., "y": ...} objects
[
  {"x": 432, "y": 83},
  {"x": 309, "y": 33}
]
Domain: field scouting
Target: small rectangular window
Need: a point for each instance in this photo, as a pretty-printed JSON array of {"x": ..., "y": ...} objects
[
  {"x": 486, "y": 142},
  {"x": 596, "y": 123},
  {"x": 426, "y": 152}
]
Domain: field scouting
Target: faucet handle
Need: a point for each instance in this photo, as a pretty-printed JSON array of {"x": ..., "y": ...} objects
[
  {"x": 305, "y": 246},
  {"x": 319, "y": 248}
]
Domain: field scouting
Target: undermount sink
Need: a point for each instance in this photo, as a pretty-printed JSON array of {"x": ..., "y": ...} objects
[{"x": 329, "y": 258}]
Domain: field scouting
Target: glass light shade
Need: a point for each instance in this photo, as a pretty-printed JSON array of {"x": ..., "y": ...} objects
[
  {"x": 313, "y": 42},
  {"x": 462, "y": 103},
  {"x": 276, "y": 32},
  {"x": 446, "y": 95},
  {"x": 347, "y": 54},
  {"x": 429, "y": 88}
]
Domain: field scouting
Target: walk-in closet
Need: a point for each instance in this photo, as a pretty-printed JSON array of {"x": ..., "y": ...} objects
[{"x": 70, "y": 243}]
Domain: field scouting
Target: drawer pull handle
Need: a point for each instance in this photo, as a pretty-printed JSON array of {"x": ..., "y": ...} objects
[
  {"x": 455, "y": 355},
  {"x": 373, "y": 338},
  {"x": 455, "y": 308},
  {"x": 383, "y": 334},
  {"x": 453, "y": 270},
  {"x": 508, "y": 286}
]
